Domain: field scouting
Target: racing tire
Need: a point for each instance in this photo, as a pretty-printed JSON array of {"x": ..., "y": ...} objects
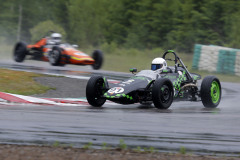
[
  {"x": 162, "y": 93},
  {"x": 55, "y": 56},
  {"x": 95, "y": 90},
  {"x": 211, "y": 92},
  {"x": 20, "y": 52},
  {"x": 98, "y": 58}
]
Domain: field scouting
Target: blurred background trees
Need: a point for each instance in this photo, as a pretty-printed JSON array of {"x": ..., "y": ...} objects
[
  {"x": 141, "y": 24},
  {"x": 45, "y": 28}
]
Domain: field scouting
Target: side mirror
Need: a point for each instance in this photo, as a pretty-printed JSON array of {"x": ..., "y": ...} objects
[
  {"x": 75, "y": 46},
  {"x": 133, "y": 70}
]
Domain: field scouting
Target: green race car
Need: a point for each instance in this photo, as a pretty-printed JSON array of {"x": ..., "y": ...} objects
[{"x": 161, "y": 86}]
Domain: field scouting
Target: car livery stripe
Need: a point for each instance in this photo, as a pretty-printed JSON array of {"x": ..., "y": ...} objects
[
  {"x": 118, "y": 96},
  {"x": 81, "y": 59},
  {"x": 177, "y": 83}
]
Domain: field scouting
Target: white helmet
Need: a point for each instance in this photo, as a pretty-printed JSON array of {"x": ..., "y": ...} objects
[
  {"x": 159, "y": 63},
  {"x": 56, "y": 38}
]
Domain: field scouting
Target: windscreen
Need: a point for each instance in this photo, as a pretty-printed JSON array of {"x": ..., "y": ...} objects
[{"x": 147, "y": 73}]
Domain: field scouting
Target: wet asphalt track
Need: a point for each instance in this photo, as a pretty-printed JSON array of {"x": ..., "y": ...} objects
[{"x": 187, "y": 124}]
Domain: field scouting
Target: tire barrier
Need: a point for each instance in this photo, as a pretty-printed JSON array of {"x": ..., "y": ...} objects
[{"x": 216, "y": 59}]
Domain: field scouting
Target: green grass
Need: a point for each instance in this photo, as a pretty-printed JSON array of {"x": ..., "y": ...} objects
[
  {"x": 58, "y": 144},
  {"x": 122, "y": 144},
  {"x": 127, "y": 59},
  {"x": 19, "y": 82},
  {"x": 88, "y": 146},
  {"x": 182, "y": 150}
]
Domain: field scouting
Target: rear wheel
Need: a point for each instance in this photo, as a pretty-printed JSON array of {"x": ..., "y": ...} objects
[
  {"x": 162, "y": 93},
  {"x": 98, "y": 57},
  {"x": 20, "y": 52},
  {"x": 55, "y": 56},
  {"x": 95, "y": 90},
  {"x": 211, "y": 92}
]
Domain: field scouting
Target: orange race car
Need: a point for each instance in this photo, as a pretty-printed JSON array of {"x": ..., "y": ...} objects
[{"x": 58, "y": 54}]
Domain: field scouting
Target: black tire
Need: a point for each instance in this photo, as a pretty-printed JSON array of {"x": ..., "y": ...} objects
[
  {"x": 95, "y": 90},
  {"x": 162, "y": 93},
  {"x": 211, "y": 92},
  {"x": 98, "y": 57},
  {"x": 20, "y": 52},
  {"x": 55, "y": 56}
]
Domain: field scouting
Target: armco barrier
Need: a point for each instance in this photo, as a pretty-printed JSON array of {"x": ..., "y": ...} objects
[{"x": 216, "y": 59}]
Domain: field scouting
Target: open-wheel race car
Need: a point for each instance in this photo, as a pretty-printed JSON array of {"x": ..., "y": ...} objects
[
  {"x": 58, "y": 54},
  {"x": 161, "y": 86}
]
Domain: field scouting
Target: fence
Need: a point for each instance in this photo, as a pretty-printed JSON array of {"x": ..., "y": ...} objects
[{"x": 216, "y": 59}]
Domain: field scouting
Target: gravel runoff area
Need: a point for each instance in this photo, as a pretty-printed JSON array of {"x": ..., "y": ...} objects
[
  {"x": 15, "y": 152},
  {"x": 75, "y": 88}
]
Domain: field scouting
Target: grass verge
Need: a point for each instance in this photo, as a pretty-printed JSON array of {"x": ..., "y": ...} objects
[
  {"x": 123, "y": 59},
  {"x": 19, "y": 82}
]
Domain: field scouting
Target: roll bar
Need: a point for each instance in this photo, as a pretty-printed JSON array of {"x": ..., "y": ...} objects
[{"x": 176, "y": 60}]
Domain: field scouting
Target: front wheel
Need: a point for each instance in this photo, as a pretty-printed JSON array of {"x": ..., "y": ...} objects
[
  {"x": 211, "y": 92},
  {"x": 162, "y": 93},
  {"x": 20, "y": 52},
  {"x": 98, "y": 57},
  {"x": 95, "y": 90},
  {"x": 54, "y": 56}
]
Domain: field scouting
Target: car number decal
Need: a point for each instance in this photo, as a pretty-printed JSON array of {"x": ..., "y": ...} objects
[{"x": 116, "y": 90}]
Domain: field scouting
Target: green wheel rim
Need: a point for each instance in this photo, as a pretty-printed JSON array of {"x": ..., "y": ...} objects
[{"x": 215, "y": 92}]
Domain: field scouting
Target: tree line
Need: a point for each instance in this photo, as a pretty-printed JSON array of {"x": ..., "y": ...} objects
[{"x": 174, "y": 24}]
